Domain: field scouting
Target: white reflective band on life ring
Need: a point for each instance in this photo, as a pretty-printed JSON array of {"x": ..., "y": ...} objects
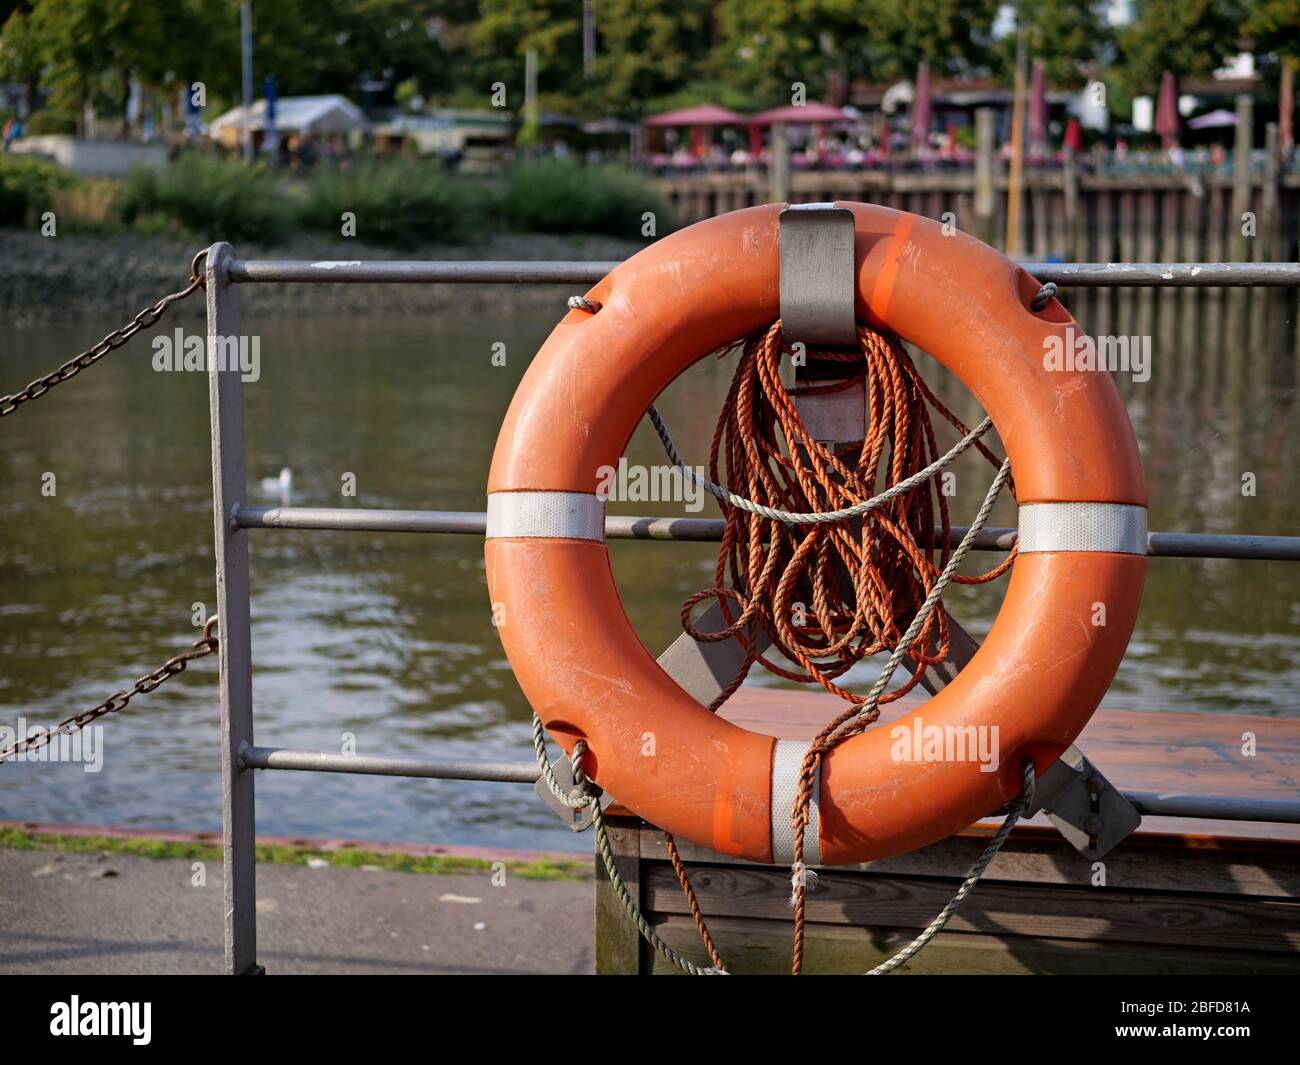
[
  {"x": 1116, "y": 527},
  {"x": 787, "y": 763},
  {"x": 550, "y": 515}
]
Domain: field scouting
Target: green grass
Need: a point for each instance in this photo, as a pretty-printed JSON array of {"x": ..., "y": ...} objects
[{"x": 282, "y": 854}]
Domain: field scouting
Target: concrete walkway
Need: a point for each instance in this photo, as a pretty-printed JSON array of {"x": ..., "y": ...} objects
[{"x": 118, "y": 913}]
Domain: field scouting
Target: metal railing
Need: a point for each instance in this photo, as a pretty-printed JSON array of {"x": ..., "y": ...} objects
[{"x": 233, "y": 518}]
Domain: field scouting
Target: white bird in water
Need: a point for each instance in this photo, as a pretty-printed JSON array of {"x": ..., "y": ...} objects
[{"x": 281, "y": 486}]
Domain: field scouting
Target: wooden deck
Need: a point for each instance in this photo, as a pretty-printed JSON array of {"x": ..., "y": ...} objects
[{"x": 1178, "y": 896}]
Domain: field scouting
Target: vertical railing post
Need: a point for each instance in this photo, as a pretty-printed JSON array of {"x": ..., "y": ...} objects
[{"x": 226, "y": 406}]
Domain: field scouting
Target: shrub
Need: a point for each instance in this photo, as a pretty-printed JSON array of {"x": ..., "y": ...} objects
[
  {"x": 87, "y": 206},
  {"x": 209, "y": 198},
  {"x": 559, "y": 196},
  {"x": 399, "y": 203},
  {"x": 27, "y": 188},
  {"x": 49, "y": 120}
]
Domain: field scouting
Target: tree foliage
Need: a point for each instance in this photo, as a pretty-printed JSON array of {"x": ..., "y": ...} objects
[
  {"x": 738, "y": 52},
  {"x": 1189, "y": 37},
  {"x": 648, "y": 49},
  {"x": 1273, "y": 27},
  {"x": 1071, "y": 38}
]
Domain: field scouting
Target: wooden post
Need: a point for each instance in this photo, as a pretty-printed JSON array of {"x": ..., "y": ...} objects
[
  {"x": 1286, "y": 107},
  {"x": 779, "y": 173},
  {"x": 1038, "y": 212},
  {"x": 985, "y": 171},
  {"x": 1241, "y": 177},
  {"x": 1014, "y": 190},
  {"x": 1070, "y": 192},
  {"x": 1269, "y": 228},
  {"x": 1171, "y": 202}
]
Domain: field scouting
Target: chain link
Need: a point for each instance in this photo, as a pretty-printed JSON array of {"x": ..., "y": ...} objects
[
  {"x": 205, "y": 645},
  {"x": 146, "y": 319}
]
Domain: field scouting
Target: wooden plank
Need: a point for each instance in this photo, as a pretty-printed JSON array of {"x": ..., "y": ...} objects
[
  {"x": 1098, "y": 915},
  {"x": 618, "y": 943},
  {"x": 763, "y": 948},
  {"x": 1037, "y": 854}
]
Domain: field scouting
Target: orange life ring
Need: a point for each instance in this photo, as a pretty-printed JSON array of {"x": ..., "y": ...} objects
[{"x": 1038, "y": 676}]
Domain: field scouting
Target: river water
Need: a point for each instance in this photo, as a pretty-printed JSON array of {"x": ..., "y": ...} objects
[{"x": 389, "y": 636}]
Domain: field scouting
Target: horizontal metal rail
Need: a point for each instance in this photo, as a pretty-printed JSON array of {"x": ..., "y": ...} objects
[
  {"x": 709, "y": 530},
  {"x": 1173, "y": 275},
  {"x": 1154, "y": 804},
  {"x": 1215, "y": 807},
  {"x": 524, "y": 272},
  {"x": 313, "y": 762},
  {"x": 484, "y": 272}
]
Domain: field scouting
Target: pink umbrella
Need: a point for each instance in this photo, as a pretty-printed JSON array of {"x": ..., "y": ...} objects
[
  {"x": 1167, "y": 112},
  {"x": 809, "y": 114},
  {"x": 1038, "y": 109},
  {"x": 700, "y": 115},
  {"x": 922, "y": 109}
]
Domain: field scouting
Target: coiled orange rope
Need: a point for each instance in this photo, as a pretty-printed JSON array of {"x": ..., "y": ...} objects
[{"x": 828, "y": 596}]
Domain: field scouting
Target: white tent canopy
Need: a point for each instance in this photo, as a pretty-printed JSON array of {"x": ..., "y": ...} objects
[{"x": 300, "y": 114}]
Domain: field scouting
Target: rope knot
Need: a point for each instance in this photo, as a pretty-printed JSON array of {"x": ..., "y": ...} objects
[{"x": 1043, "y": 296}]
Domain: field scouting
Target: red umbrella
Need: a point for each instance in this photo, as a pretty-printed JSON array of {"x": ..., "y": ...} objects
[
  {"x": 1167, "y": 112},
  {"x": 922, "y": 109},
  {"x": 700, "y": 115},
  {"x": 1073, "y": 135},
  {"x": 1038, "y": 108},
  {"x": 809, "y": 114}
]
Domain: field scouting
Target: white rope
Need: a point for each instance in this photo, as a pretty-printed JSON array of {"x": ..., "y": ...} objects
[{"x": 822, "y": 517}]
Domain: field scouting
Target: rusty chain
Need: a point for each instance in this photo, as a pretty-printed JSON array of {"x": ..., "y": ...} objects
[
  {"x": 146, "y": 319},
  {"x": 205, "y": 645}
]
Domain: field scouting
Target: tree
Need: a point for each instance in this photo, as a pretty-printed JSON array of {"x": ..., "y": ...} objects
[
  {"x": 1189, "y": 37},
  {"x": 766, "y": 46},
  {"x": 507, "y": 29},
  {"x": 1273, "y": 26},
  {"x": 1069, "y": 36},
  {"x": 647, "y": 49},
  {"x": 20, "y": 58},
  {"x": 954, "y": 36}
]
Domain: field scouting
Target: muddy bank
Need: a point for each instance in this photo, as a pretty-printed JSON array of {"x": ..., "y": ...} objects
[{"x": 75, "y": 278}]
